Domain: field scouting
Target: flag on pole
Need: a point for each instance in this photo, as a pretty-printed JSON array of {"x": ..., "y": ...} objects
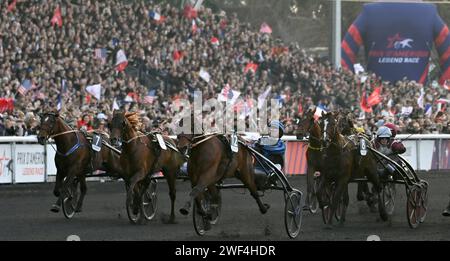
[
  {"x": 150, "y": 97},
  {"x": 228, "y": 95},
  {"x": 265, "y": 28},
  {"x": 263, "y": 97},
  {"x": 115, "y": 106},
  {"x": 121, "y": 61},
  {"x": 57, "y": 18},
  {"x": 157, "y": 17},
  {"x": 189, "y": 12},
  {"x": 374, "y": 98},
  {"x": 428, "y": 109},
  {"x": 420, "y": 99},
  {"x": 363, "y": 103},
  {"x": 204, "y": 75},
  {"x": 100, "y": 53},
  {"x": 6, "y": 104},
  {"x": 12, "y": 5},
  {"x": 251, "y": 67},
  {"x": 177, "y": 55},
  {"x": 95, "y": 90},
  {"x": 25, "y": 86},
  {"x": 194, "y": 27}
]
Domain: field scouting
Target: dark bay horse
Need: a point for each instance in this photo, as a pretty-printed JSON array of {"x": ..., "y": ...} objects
[
  {"x": 142, "y": 156},
  {"x": 314, "y": 153},
  {"x": 74, "y": 157},
  {"x": 346, "y": 128},
  {"x": 210, "y": 161},
  {"x": 343, "y": 162}
]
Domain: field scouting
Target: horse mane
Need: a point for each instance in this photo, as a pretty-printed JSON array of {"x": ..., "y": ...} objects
[{"x": 134, "y": 120}]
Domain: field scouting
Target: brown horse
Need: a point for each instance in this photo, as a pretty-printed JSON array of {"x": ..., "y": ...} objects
[
  {"x": 142, "y": 156},
  {"x": 314, "y": 153},
  {"x": 346, "y": 128},
  {"x": 210, "y": 161},
  {"x": 344, "y": 162},
  {"x": 74, "y": 157}
]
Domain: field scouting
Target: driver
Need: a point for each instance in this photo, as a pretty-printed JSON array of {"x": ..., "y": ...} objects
[{"x": 385, "y": 144}]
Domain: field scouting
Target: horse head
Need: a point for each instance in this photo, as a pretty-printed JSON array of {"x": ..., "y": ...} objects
[
  {"x": 345, "y": 122},
  {"x": 306, "y": 124},
  {"x": 192, "y": 126},
  {"x": 120, "y": 127},
  {"x": 330, "y": 127},
  {"x": 48, "y": 126}
]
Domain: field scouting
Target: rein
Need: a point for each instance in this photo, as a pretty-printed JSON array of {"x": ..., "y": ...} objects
[{"x": 73, "y": 148}]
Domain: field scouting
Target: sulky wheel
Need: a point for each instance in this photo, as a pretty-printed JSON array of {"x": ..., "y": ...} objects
[
  {"x": 201, "y": 223},
  {"x": 149, "y": 200},
  {"x": 327, "y": 198},
  {"x": 387, "y": 200},
  {"x": 424, "y": 201},
  {"x": 70, "y": 199},
  {"x": 340, "y": 210},
  {"x": 293, "y": 213},
  {"x": 413, "y": 205},
  {"x": 313, "y": 200}
]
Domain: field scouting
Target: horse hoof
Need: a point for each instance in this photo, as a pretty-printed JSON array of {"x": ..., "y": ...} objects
[
  {"x": 54, "y": 209},
  {"x": 184, "y": 211}
]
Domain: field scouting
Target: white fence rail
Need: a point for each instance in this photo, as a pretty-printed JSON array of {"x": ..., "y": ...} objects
[{"x": 23, "y": 160}]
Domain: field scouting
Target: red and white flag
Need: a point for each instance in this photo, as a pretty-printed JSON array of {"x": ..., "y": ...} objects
[
  {"x": 446, "y": 84},
  {"x": 251, "y": 67},
  {"x": 215, "y": 41},
  {"x": 121, "y": 61},
  {"x": 228, "y": 95},
  {"x": 189, "y": 12},
  {"x": 12, "y": 5},
  {"x": 57, "y": 18},
  {"x": 374, "y": 98},
  {"x": 194, "y": 27},
  {"x": 95, "y": 90},
  {"x": 265, "y": 28}
]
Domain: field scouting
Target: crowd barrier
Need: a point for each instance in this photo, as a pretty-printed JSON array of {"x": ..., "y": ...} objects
[{"x": 23, "y": 160}]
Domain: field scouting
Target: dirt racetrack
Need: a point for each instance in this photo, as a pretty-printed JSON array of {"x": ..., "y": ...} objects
[{"x": 25, "y": 215}]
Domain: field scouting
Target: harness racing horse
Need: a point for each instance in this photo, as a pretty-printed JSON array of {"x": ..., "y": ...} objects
[
  {"x": 74, "y": 159},
  {"x": 314, "y": 156},
  {"x": 210, "y": 161},
  {"x": 342, "y": 163},
  {"x": 141, "y": 157}
]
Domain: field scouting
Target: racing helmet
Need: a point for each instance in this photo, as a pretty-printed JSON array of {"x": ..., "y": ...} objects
[{"x": 384, "y": 132}]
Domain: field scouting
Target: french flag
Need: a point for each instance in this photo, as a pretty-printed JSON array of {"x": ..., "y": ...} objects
[
  {"x": 156, "y": 16},
  {"x": 121, "y": 61}
]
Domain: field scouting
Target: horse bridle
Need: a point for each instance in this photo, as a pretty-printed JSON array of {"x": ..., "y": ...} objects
[{"x": 49, "y": 135}]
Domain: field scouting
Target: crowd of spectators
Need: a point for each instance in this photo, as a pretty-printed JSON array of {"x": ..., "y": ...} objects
[{"x": 167, "y": 48}]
